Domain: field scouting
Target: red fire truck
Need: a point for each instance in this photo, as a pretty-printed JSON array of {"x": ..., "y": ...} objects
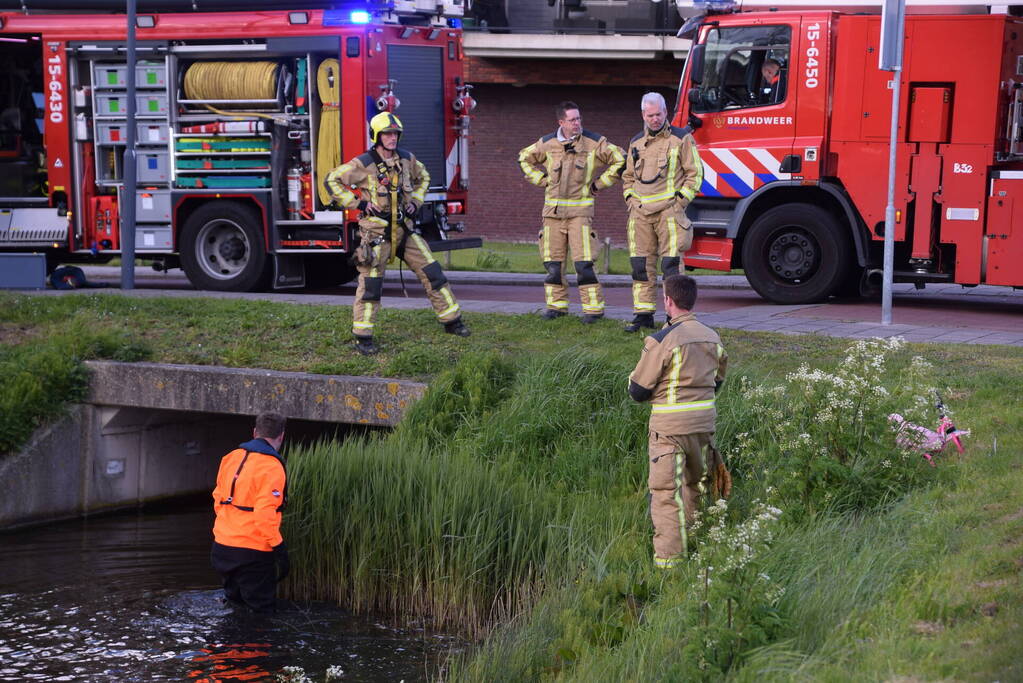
[
  {"x": 792, "y": 117},
  {"x": 239, "y": 116}
]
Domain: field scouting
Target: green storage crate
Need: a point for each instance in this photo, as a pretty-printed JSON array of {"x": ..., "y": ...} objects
[
  {"x": 189, "y": 164},
  {"x": 222, "y": 144},
  {"x": 223, "y": 182}
]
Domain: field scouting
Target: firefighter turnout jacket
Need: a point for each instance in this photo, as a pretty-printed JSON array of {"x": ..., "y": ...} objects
[
  {"x": 679, "y": 372},
  {"x": 249, "y": 497},
  {"x": 661, "y": 168},
  {"x": 390, "y": 184},
  {"x": 567, "y": 169}
]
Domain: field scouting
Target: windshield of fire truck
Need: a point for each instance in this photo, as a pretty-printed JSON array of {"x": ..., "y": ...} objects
[{"x": 744, "y": 66}]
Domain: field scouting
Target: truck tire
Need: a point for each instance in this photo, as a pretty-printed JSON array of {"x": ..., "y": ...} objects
[
  {"x": 329, "y": 271},
  {"x": 796, "y": 254},
  {"x": 222, "y": 248}
]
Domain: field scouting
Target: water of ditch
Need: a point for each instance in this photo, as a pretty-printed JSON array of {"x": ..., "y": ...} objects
[{"x": 131, "y": 597}]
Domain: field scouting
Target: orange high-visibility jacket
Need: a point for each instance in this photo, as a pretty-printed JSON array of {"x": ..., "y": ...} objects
[{"x": 249, "y": 497}]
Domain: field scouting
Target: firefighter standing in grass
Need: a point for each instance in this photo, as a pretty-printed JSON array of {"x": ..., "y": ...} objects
[
  {"x": 681, "y": 369},
  {"x": 567, "y": 163},
  {"x": 392, "y": 185},
  {"x": 248, "y": 550},
  {"x": 662, "y": 175}
]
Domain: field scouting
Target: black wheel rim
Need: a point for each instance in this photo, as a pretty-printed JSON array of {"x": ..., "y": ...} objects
[{"x": 793, "y": 255}]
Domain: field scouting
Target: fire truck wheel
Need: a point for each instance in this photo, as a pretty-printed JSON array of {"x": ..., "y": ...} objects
[
  {"x": 329, "y": 271},
  {"x": 222, "y": 248},
  {"x": 796, "y": 254}
]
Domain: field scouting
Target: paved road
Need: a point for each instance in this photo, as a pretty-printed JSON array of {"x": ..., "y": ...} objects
[{"x": 939, "y": 313}]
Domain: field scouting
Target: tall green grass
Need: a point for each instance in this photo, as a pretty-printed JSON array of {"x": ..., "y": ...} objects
[{"x": 466, "y": 513}]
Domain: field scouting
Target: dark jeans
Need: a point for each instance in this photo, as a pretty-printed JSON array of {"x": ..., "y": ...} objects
[{"x": 250, "y": 576}]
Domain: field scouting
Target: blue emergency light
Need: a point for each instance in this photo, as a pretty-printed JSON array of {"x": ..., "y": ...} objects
[{"x": 337, "y": 17}]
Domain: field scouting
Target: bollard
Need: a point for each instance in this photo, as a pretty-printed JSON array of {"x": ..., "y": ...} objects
[{"x": 607, "y": 255}]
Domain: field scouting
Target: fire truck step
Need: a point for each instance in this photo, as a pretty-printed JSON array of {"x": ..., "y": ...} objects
[
  {"x": 917, "y": 276},
  {"x": 24, "y": 201},
  {"x": 454, "y": 245}
]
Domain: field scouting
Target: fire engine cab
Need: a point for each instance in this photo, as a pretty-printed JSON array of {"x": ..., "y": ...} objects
[
  {"x": 239, "y": 116},
  {"x": 792, "y": 116}
]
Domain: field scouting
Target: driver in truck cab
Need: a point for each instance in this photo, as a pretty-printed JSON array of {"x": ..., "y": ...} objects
[{"x": 771, "y": 89}]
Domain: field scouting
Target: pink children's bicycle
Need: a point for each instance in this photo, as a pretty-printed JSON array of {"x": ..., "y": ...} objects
[{"x": 928, "y": 441}]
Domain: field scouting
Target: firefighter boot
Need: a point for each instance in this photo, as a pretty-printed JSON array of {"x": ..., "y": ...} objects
[
  {"x": 590, "y": 319},
  {"x": 457, "y": 327},
  {"x": 551, "y": 314},
  {"x": 365, "y": 345},
  {"x": 640, "y": 321}
]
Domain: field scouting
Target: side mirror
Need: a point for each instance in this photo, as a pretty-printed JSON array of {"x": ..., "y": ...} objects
[
  {"x": 696, "y": 64},
  {"x": 694, "y": 95}
]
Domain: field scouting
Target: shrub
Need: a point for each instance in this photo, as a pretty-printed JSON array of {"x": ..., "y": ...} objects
[{"x": 823, "y": 440}]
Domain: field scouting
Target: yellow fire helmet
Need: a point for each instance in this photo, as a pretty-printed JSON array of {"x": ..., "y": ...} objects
[{"x": 384, "y": 122}]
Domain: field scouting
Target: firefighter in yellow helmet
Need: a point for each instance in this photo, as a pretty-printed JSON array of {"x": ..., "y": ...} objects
[{"x": 392, "y": 185}]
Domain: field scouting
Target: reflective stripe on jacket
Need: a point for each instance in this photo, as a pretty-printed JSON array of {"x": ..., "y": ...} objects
[
  {"x": 662, "y": 168},
  {"x": 568, "y": 169},
  {"x": 249, "y": 496},
  {"x": 363, "y": 174},
  {"x": 681, "y": 367}
]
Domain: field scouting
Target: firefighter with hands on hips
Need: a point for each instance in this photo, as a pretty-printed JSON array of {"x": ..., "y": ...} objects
[
  {"x": 680, "y": 371},
  {"x": 248, "y": 550},
  {"x": 662, "y": 175},
  {"x": 567, "y": 163},
  {"x": 392, "y": 184}
]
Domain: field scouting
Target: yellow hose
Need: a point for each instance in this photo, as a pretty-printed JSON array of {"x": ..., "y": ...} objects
[
  {"x": 231, "y": 81},
  {"x": 328, "y": 141}
]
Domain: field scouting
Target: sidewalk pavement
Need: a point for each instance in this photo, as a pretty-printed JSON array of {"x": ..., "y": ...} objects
[{"x": 746, "y": 313}]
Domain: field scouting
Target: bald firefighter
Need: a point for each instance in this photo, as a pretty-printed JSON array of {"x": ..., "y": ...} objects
[
  {"x": 392, "y": 186},
  {"x": 682, "y": 367},
  {"x": 568, "y": 164},
  {"x": 248, "y": 550},
  {"x": 662, "y": 175}
]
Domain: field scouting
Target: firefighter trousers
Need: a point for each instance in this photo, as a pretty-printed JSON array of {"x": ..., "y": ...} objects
[
  {"x": 666, "y": 234},
  {"x": 559, "y": 235},
  {"x": 414, "y": 251},
  {"x": 680, "y": 478}
]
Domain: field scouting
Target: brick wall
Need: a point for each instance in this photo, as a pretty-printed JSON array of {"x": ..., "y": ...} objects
[
  {"x": 502, "y": 205},
  {"x": 653, "y": 73}
]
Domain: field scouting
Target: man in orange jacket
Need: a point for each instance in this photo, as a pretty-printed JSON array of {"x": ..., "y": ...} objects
[{"x": 248, "y": 550}]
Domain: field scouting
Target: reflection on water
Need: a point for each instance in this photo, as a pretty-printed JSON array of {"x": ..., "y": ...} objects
[{"x": 131, "y": 597}]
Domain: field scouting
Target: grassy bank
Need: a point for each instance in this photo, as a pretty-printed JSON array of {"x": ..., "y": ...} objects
[
  {"x": 518, "y": 257},
  {"x": 870, "y": 571},
  {"x": 510, "y": 502},
  {"x": 236, "y": 333}
]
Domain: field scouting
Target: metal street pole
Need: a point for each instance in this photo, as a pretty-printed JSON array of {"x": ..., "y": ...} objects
[
  {"x": 128, "y": 191},
  {"x": 889, "y": 210},
  {"x": 892, "y": 31}
]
